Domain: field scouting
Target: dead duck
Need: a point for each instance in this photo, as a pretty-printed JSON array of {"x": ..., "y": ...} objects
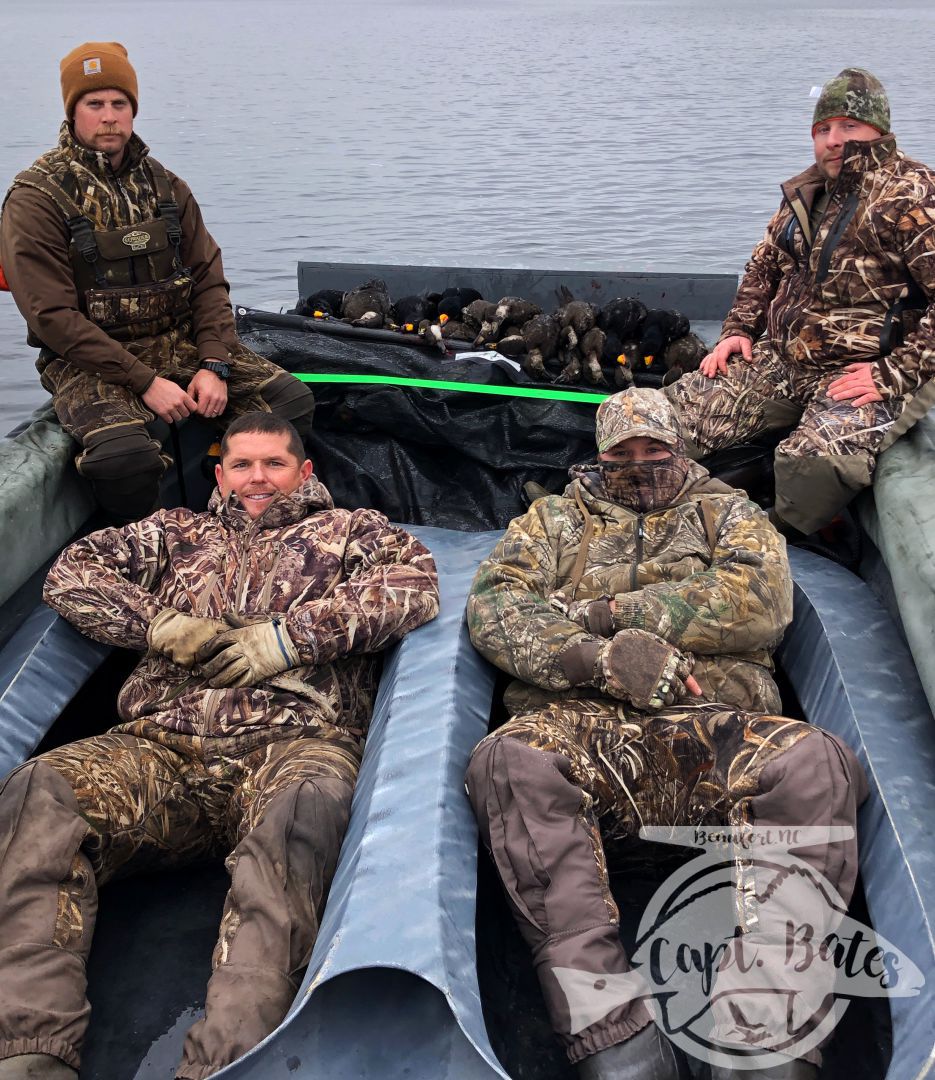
[
  {"x": 510, "y": 309},
  {"x": 575, "y": 318},
  {"x": 325, "y": 302},
  {"x": 623, "y": 316},
  {"x": 462, "y": 296},
  {"x": 661, "y": 326},
  {"x": 683, "y": 354},
  {"x": 616, "y": 358},
  {"x": 409, "y": 311},
  {"x": 368, "y": 305},
  {"x": 591, "y": 347},
  {"x": 540, "y": 334}
]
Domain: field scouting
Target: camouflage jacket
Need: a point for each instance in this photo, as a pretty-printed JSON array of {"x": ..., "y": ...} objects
[
  {"x": 836, "y": 297},
  {"x": 708, "y": 574},
  {"x": 34, "y": 246},
  {"x": 350, "y": 582}
]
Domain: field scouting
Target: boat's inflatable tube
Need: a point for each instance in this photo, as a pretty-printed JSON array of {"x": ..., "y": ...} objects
[
  {"x": 899, "y": 517},
  {"x": 44, "y": 499},
  {"x": 853, "y": 676},
  {"x": 391, "y": 990}
]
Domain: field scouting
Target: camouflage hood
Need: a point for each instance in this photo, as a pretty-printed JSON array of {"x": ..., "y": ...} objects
[{"x": 346, "y": 583}]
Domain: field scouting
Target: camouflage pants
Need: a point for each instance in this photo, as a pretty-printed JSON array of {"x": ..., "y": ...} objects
[
  {"x": 550, "y": 789},
  {"x": 120, "y": 456},
  {"x": 823, "y": 463},
  {"x": 275, "y": 804}
]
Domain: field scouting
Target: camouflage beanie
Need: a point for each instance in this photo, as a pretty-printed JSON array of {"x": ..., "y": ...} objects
[
  {"x": 856, "y": 94},
  {"x": 639, "y": 411},
  {"x": 97, "y": 65}
]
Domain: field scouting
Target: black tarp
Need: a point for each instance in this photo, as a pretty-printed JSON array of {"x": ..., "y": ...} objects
[{"x": 451, "y": 459}]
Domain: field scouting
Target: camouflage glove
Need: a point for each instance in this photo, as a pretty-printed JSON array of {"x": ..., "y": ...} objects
[
  {"x": 634, "y": 665},
  {"x": 179, "y": 637},
  {"x": 643, "y": 669},
  {"x": 248, "y": 655},
  {"x": 594, "y": 615}
]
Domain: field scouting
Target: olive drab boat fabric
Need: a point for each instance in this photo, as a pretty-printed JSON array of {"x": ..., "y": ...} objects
[
  {"x": 348, "y": 583},
  {"x": 856, "y": 288}
]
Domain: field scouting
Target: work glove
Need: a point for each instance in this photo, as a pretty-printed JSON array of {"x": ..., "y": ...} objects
[
  {"x": 179, "y": 637},
  {"x": 635, "y": 666},
  {"x": 247, "y": 655}
]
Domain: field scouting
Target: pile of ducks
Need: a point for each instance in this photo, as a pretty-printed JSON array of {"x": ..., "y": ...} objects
[{"x": 579, "y": 341}]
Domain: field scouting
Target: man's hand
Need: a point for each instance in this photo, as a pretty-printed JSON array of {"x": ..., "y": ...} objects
[
  {"x": 641, "y": 668},
  {"x": 715, "y": 363},
  {"x": 210, "y": 393},
  {"x": 180, "y": 636},
  {"x": 857, "y": 386},
  {"x": 248, "y": 655},
  {"x": 168, "y": 401}
]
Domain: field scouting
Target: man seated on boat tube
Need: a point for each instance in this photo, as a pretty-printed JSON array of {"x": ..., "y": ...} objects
[
  {"x": 832, "y": 329},
  {"x": 240, "y": 734},
  {"x": 637, "y": 613},
  {"x": 122, "y": 289}
]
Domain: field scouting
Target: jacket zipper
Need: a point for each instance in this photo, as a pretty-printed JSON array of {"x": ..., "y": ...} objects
[
  {"x": 638, "y": 558},
  {"x": 238, "y": 599},
  {"x": 841, "y": 222}
]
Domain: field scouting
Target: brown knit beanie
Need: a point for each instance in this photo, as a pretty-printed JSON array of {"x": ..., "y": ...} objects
[{"x": 97, "y": 65}]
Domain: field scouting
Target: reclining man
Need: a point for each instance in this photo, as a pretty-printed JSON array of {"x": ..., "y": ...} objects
[
  {"x": 240, "y": 734},
  {"x": 638, "y": 612},
  {"x": 122, "y": 288},
  {"x": 833, "y": 327}
]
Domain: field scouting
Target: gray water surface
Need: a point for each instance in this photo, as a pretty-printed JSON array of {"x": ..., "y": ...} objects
[{"x": 633, "y": 134}]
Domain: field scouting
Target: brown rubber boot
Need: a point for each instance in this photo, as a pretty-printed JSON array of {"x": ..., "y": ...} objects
[
  {"x": 36, "y": 1067},
  {"x": 647, "y": 1055}
]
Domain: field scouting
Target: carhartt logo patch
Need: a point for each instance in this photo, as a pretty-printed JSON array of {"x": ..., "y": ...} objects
[
  {"x": 137, "y": 240},
  {"x": 92, "y": 66}
]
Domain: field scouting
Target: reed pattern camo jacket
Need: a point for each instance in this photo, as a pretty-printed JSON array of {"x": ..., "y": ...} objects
[
  {"x": 828, "y": 300},
  {"x": 348, "y": 582}
]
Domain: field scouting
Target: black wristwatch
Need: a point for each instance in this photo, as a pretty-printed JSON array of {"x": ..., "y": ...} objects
[{"x": 222, "y": 370}]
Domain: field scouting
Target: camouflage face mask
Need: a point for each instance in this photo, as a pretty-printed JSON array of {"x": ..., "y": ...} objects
[{"x": 645, "y": 485}]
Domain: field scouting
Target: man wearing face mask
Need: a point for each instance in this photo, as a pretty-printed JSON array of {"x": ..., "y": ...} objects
[{"x": 637, "y": 613}]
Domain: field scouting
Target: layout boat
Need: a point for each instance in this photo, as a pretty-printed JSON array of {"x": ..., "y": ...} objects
[{"x": 417, "y": 972}]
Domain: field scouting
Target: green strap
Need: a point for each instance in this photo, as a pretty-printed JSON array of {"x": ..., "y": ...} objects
[{"x": 463, "y": 387}]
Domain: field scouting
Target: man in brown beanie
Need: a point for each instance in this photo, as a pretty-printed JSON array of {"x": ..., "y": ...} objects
[
  {"x": 123, "y": 291},
  {"x": 832, "y": 329}
]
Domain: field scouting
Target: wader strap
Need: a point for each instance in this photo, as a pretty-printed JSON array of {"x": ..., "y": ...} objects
[
  {"x": 80, "y": 227},
  {"x": 706, "y": 513},
  {"x": 578, "y": 569},
  {"x": 168, "y": 208},
  {"x": 891, "y": 331}
]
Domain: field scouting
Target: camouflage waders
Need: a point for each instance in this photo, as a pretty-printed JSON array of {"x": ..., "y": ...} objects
[
  {"x": 551, "y": 788},
  {"x": 120, "y": 456},
  {"x": 138, "y": 797},
  {"x": 823, "y": 463}
]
